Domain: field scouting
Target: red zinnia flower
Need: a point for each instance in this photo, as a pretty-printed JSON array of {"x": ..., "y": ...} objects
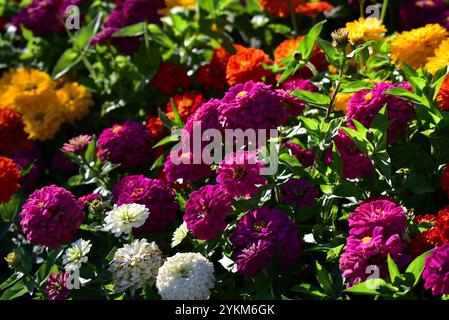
[
  {"x": 246, "y": 65},
  {"x": 186, "y": 103},
  {"x": 12, "y": 134},
  {"x": 279, "y": 8},
  {"x": 445, "y": 180},
  {"x": 443, "y": 95},
  {"x": 156, "y": 129},
  {"x": 169, "y": 78},
  {"x": 9, "y": 175}
]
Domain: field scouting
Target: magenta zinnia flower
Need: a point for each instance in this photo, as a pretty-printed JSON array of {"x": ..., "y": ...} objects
[
  {"x": 295, "y": 105},
  {"x": 85, "y": 201},
  {"x": 51, "y": 216},
  {"x": 355, "y": 163},
  {"x": 253, "y": 105},
  {"x": 127, "y": 144},
  {"x": 239, "y": 174},
  {"x": 379, "y": 213},
  {"x": 127, "y": 13},
  {"x": 305, "y": 157},
  {"x": 361, "y": 256},
  {"x": 183, "y": 173},
  {"x": 299, "y": 192},
  {"x": 364, "y": 105},
  {"x": 276, "y": 231},
  {"x": 436, "y": 271},
  {"x": 206, "y": 211},
  {"x": 154, "y": 194},
  {"x": 55, "y": 287}
]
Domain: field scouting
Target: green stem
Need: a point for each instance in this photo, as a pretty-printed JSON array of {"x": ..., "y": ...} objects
[
  {"x": 293, "y": 18},
  {"x": 362, "y": 8},
  {"x": 384, "y": 10}
]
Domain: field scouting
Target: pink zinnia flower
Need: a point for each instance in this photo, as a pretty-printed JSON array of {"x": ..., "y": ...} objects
[
  {"x": 436, "y": 271},
  {"x": 55, "y": 287}
]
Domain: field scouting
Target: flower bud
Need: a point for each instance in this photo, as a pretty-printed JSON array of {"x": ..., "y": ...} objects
[{"x": 340, "y": 38}]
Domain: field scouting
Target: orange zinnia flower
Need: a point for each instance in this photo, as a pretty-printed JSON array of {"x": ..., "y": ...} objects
[
  {"x": 443, "y": 95},
  {"x": 246, "y": 65},
  {"x": 312, "y": 9}
]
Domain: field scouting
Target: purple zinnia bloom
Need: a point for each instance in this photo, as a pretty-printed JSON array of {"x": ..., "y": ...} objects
[
  {"x": 153, "y": 194},
  {"x": 378, "y": 213},
  {"x": 60, "y": 163},
  {"x": 364, "y": 105},
  {"x": 55, "y": 287},
  {"x": 239, "y": 174},
  {"x": 436, "y": 271},
  {"x": 259, "y": 234},
  {"x": 295, "y": 105},
  {"x": 206, "y": 211},
  {"x": 253, "y": 105},
  {"x": 34, "y": 157},
  {"x": 51, "y": 216},
  {"x": 204, "y": 118},
  {"x": 356, "y": 164},
  {"x": 417, "y": 13},
  {"x": 77, "y": 144},
  {"x": 127, "y": 144},
  {"x": 361, "y": 255},
  {"x": 44, "y": 16},
  {"x": 255, "y": 257},
  {"x": 127, "y": 13},
  {"x": 299, "y": 192},
  {"x": 305, "y": 157},
  {"x": 185, "y": 172}
]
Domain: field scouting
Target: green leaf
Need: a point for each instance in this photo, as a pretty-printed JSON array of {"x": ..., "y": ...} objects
[
  {"x": 82, "y": 38},
  {"x": 308, "y": 289},
  {"x": 312, "y": 97},
  {"x": 368, "y": 287},
  {"x": 11, "y": 280},
  {"x": 177, "y": 120},
  {"x": 324, "y": 279},
  {"x": 393, "y": 269},
  {"x": 332, "y": 54},
  {"x": 134, "y": 30},
  {"x": 75, "y": 180},
  {"x": 166, "y": 140},
  {"x": 89, "y": 155},
  {"x": 334, "y": 253},
  {"x": 416, "y": 267},
  {"x": 66, "y": 62},
  {"x": 305, "y": 47},
  {"x": 16, "y": 291},
  {"x": 404, "y": 93}
]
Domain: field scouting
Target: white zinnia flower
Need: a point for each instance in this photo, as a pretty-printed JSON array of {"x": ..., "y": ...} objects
[
  {"x": 179, "y": 235},
  {"x": 135, "y": 265},
  {"x": 185, "y": 276},
  {"x": 125, "y": 217},
  {"x": 76, "y": 255}
]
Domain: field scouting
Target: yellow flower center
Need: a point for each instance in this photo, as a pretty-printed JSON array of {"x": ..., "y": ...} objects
[
  {"x": 117, "y": 129},
  {"x": 258, "y": 226},
  {"x": 242, "y": 93},
  {"x": 366, "y": 240},
  {"x": 368, "y": 96},
  {"x": 30, "y": 86}
]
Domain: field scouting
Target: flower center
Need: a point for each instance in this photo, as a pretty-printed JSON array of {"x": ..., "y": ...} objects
[
  {"x": 368, "y": 96},
  {"x": 242, "y": 93},
  {"x": 137, "y": 192},
  {"x": 366, "y": 240},
  {"x": 258, "y": 226},
  {"x": 239, "y": 172},
  {"x": 116, "y": 129},
  {"x": 30, "y": 86}
]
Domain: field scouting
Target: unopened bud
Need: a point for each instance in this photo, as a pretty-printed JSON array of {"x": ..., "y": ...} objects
[
  {"x": 340, "y": 38},
  {"x": 13, "y": 260},
  {"x": 297, "y": 56}
]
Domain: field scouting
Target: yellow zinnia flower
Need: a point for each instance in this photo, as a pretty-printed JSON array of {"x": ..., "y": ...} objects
[
  {"x": 341, "y": 101},
  {"x": 414, "y": 47},
  {"x": 41, "y": 114},
  {"x": 365, "y": 29},
  {"x": 440, "y": 58},
  {"x": 20, "y": 82},
  {"x": 76, "y": 101},
  {"x": 177, "y": 3}
]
